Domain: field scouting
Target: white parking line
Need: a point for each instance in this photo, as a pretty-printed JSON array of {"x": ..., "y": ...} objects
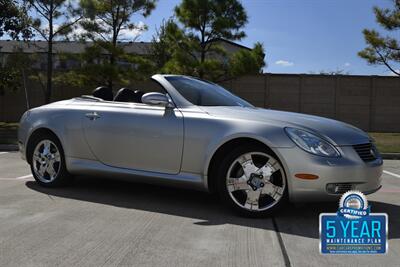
[
  {"x": 392, "y": 174},
  {"x": 24, "y": 177},
  {"x": 18, "y": 178},
  {"x": 1, "y": 153}
]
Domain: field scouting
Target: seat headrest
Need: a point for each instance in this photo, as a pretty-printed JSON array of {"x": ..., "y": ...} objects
[
  {"x": 139, "y": 95},
  {"x": 126, "y": 95},
  {"x": 104, "y": 93}
]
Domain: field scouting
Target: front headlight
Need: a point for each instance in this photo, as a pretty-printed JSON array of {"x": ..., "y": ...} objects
[{"x": 312, "y": 143}]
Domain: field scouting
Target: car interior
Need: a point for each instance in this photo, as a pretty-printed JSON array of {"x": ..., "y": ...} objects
[
  {"x": 123, "y": 95},
  {"x": 128, "y": 95},
  {"x": 104, "y": 93}
]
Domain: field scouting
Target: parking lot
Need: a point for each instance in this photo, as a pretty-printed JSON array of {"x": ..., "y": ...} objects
[{"x": 103, "y": 222}]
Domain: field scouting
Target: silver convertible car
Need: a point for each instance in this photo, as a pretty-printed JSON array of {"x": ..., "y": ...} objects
[{"x": 193, "y": 133}]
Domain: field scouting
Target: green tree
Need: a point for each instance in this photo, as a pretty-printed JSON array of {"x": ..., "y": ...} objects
[
  {"x": 384, "y": 50},
  {"x": 14, "y": 23},
  {"x": 21, "y": 65},
  {"x": 160, "y": 51},
  {"x": 246, "y": 62},
  {"x": 9, "y": 80},
  {"x": 106, "y": 23},
  {"x": 207, "y": 21},
  {"x": 53, "y": 19},
  {"x": 14, "y": 20},
  {"x": 174, "y": 51}
]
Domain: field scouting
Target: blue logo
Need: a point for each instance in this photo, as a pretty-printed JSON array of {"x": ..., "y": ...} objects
[
  {"x": 353, "y": 205},
  {"x": 353, "y": 229}
]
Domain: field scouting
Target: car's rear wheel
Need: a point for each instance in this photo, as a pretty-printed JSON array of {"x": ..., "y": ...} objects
[
  {"x": 252, "y": 181},
  {"x": 48, "y": 162}
]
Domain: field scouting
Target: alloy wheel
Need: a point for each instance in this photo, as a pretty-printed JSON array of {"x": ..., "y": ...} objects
[
  {"x": 46, "y": 161},
  {"x": 256, "y": 181}
]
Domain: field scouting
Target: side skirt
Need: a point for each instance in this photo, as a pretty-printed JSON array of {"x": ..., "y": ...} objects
[{"x": 79, "y": 166}]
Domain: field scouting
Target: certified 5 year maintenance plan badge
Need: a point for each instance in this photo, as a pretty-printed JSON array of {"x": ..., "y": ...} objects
[{"x": 353, "y": 229}]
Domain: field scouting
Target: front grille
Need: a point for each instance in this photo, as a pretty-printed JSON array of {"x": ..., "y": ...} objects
[
  {"x": 339, "y": 188},
  {"x": 367, "y": 152}
]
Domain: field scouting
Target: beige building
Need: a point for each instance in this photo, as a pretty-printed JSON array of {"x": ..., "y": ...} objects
[{"x": 39, "y": 48}]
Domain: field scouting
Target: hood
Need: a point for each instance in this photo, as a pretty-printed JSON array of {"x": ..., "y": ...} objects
[{"x": 338, "y": 133}]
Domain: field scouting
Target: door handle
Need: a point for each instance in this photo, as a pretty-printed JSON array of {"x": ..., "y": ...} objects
[{"x": 92, "y": 115}]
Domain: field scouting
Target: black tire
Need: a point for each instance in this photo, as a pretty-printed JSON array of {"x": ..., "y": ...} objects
[
  {"x": 62, "y": 177},
  {"x": 221, "y": 176}
]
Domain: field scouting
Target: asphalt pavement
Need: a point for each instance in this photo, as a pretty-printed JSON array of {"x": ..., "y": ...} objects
[{"x": 105, "y": 222}]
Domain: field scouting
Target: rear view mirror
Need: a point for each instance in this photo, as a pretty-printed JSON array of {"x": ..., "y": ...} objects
[{"x": 156, "y": 99}]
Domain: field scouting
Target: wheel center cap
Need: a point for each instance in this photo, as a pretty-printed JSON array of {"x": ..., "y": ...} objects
[{"x": 256, "y": 181}]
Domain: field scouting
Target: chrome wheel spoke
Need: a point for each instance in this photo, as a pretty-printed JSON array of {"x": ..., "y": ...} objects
[
  {"x": 37, "y": 157},
  {"x": 274, "y": 165},
  {"x": 46, "y": 147},
  {"x": 57, "y": 157},
  {"x": 42, "y": 170},
  {"x": 235, "y": 184},
  {"x": 266, "y": 171},
  {"x": 245, "y": 158},
  {"x": 252, "y": 200},
  {"x": 272, "y": 162},
  {"x": 272, "y": 190},
  {"x": 248, "y": 166},
  {"x": 50, "y": 170}
]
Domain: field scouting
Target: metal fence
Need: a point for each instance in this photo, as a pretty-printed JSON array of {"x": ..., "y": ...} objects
[{"x": 369, "y": 102}]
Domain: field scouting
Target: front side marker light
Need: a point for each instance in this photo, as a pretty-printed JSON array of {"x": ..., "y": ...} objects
[{"x": 306, "y": 176}]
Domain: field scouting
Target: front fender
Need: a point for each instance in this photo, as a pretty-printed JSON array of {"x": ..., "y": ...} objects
[{"x": 214, "y": 147}]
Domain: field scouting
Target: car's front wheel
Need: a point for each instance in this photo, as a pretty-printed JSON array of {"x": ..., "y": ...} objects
[
  {"x": 252, "y": 181},
  {"x": 48, "y": 162}
]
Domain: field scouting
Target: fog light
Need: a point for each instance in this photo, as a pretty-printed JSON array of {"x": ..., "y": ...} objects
[
  {"x": 339, "y": 188},
  {"x": 331, "y": 188}
]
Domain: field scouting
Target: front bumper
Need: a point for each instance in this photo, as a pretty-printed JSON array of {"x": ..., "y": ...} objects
[
  {"x": 23, "y": 131},
  {"x": 21, "y": 148},
  {"x": 349, "y": 171}
]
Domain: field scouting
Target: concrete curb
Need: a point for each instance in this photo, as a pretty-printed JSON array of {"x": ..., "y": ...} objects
[{"x": 8, "y": 147}]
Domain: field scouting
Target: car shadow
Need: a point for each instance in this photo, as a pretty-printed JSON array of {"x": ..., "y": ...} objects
[{"x": 301, "y": 220}]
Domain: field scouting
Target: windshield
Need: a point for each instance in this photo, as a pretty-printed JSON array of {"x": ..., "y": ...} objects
[{"x": 203, "y": 93}]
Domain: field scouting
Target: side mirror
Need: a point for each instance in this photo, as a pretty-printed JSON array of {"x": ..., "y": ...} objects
[{"x": 156, "y": 99}]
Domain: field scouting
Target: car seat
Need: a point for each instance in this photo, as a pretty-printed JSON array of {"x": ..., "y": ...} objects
[
  {"x": 104, "y": 93},
  {"x": 125, "y": 95},
  {"x": 139, "y": 95}
]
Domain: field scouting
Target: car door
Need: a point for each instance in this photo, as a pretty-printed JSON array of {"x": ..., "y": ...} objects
[{"x": 135, "y": 136}]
